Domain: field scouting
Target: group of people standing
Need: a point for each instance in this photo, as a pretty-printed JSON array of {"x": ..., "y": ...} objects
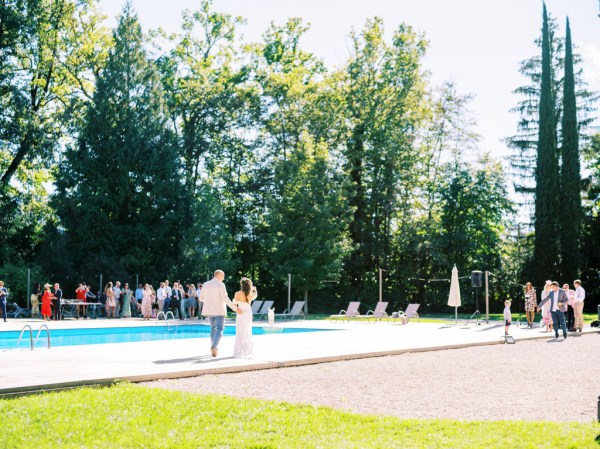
[
  {"x": 555, "y": 303},
  {"x": 211, "y": 298},
  {"x": 181, "y": 300},
  {"x": 50, "y": 297}
]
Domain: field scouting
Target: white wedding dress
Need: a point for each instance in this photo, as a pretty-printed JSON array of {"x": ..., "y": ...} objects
[{"x": 244, "y": 347}]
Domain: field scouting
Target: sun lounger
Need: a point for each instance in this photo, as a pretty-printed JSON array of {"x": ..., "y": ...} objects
[
  {"x": 379, "y": 313},
  {"x": 350, "y": 312},
  {"x": 295, "y": 311},
  {"x": 404, "y": 317},
  {"x": 264, "y": 310},
  {"x": 256, "y": 306},
  {"x": 13, "y": 310}
]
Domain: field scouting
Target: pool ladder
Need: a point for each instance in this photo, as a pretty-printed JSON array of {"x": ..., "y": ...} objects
[
  {"x": 166, "y": 318},
  {"x": 31, "y": 341}
]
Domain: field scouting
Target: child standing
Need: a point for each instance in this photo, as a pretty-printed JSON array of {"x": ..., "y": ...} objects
[{"x": 507, "y": 316}]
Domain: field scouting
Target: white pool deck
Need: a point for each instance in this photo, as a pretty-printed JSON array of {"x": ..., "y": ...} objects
[{"x": 25, "y": 370}]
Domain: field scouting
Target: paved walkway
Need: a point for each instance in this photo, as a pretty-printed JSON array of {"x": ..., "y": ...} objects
[{"x": 25, "y": 370}]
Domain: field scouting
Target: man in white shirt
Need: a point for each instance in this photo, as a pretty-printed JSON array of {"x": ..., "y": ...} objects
[
  {"x": 578, "y": 305},
  {"x": 558, "y": 306},
  {"x": 161, "y": 294},
  {"x": 214, "y": 297}
]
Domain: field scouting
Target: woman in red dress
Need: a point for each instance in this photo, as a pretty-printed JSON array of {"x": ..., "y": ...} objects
[{"x": 46, "y": 298}]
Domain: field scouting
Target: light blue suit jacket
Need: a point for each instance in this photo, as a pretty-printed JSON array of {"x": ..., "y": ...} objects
[{"x": 559, "y": 296}]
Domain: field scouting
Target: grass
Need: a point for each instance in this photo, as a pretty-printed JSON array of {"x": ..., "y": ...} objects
[{"x": 129, "y": 416}]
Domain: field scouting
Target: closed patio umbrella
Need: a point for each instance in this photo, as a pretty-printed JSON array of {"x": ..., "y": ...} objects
[{"x": 454, "y": 297}]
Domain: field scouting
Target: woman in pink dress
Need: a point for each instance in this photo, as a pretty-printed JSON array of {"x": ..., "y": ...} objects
[
  {"x": 111, "y": 302},
  {"x": 146, "y": 302}
]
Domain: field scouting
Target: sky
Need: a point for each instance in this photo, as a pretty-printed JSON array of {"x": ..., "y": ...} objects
[{"x": 477, "y": 44}]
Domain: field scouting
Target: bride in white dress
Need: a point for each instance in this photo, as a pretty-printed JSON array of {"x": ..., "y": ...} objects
[{"x": 244, "y": 347}]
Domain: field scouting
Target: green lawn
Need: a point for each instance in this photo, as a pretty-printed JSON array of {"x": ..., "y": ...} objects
[{"x": 129, "y": 416}]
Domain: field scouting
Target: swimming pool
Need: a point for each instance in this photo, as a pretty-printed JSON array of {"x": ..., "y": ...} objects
[{"x": 103, "y": 335}]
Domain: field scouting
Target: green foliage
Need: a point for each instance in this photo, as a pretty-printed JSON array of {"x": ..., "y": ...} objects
[
  {"x": 212, "y": 107},
  {"x": 307, "y": 224},
  {"x": 185, "y": 153},
  {"x": 120, "y": 195},
  {"x": 49, "y": 49},
  {"x": 127, "y": 416},
  {"x": 474, "y": 212},
  {"x": 591, "y": 222},
  {"x": 383, "y": 95},
  {"x": 566, "y": 75},
  {"x": 25, "y": 211},
  {"x": 14, "y": 276}
]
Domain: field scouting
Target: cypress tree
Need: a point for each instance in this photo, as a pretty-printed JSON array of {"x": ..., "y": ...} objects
[
  {"x": 570, "y": 176},
  {"x": 546, "y": 172}
]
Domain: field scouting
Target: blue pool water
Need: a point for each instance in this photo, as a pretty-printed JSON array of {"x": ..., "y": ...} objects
[{"x": 102, "y": 335}]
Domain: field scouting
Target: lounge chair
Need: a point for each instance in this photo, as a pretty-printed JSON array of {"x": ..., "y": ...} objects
[
  {"x": 350, "y": 312},
  {"x": 291, "y": 314},
  {"x": 13, "y": 310},
  {"x": 379, "y": 312},
  {"x": 256, "y": 306},
  {"x": 410, "y": 312},
  {"x": 264, "y": 310}
]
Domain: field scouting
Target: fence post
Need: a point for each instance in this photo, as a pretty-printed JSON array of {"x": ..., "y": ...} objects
[
  {"x": 289, "y": 290},
  {"x": 28, "y": 286}
]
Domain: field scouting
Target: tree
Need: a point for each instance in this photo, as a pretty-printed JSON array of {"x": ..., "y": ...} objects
[
  {"x": 525, "y": 142},
  {"x": 120, "y": 196},
  {"x": 547, "y": 210},
  {"x": 297, "y": 142},
  {"x": 383, "y": 92},
  {"x": 474, "y": 215},
  {"x": 570, "y": 176},
  {"x": 47, "y": 47},
  {"x": 590, "y": 266},
  {"x": 213, "y": 108},
  {"x": 445, "y": 139},
  {"x": 308, "y": 223}
]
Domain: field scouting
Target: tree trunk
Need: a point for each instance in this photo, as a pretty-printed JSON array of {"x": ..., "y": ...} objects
[
  {"x": 24, "y": 148},
  {"x": 305, "y": 302}
]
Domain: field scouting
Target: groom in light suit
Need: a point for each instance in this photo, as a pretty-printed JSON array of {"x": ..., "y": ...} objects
[
  {"x": 558, "y": 306},
  {"x": 215, "y": 299}
]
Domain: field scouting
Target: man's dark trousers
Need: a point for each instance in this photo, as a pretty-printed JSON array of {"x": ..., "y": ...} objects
[{"x": 559, "y": 317}]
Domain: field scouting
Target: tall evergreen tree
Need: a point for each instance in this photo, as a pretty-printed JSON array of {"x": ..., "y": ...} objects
[
  {"x": 524, "y": 143},
  {"x": 119, "y": 192},
  {"x": 546, "y": 172},
  {"x": 570, "y": 176}
]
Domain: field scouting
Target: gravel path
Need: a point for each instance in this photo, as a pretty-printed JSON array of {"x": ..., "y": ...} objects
[{"x": 480, "y": 383}]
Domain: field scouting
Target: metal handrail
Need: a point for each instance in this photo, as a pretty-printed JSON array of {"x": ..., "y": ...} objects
[
  {"x": 172, "y": 317},
  {"x": 166, "y": 317},
  {"x": 40, "y": 331},
  {"x": 30, "y": 335}
]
